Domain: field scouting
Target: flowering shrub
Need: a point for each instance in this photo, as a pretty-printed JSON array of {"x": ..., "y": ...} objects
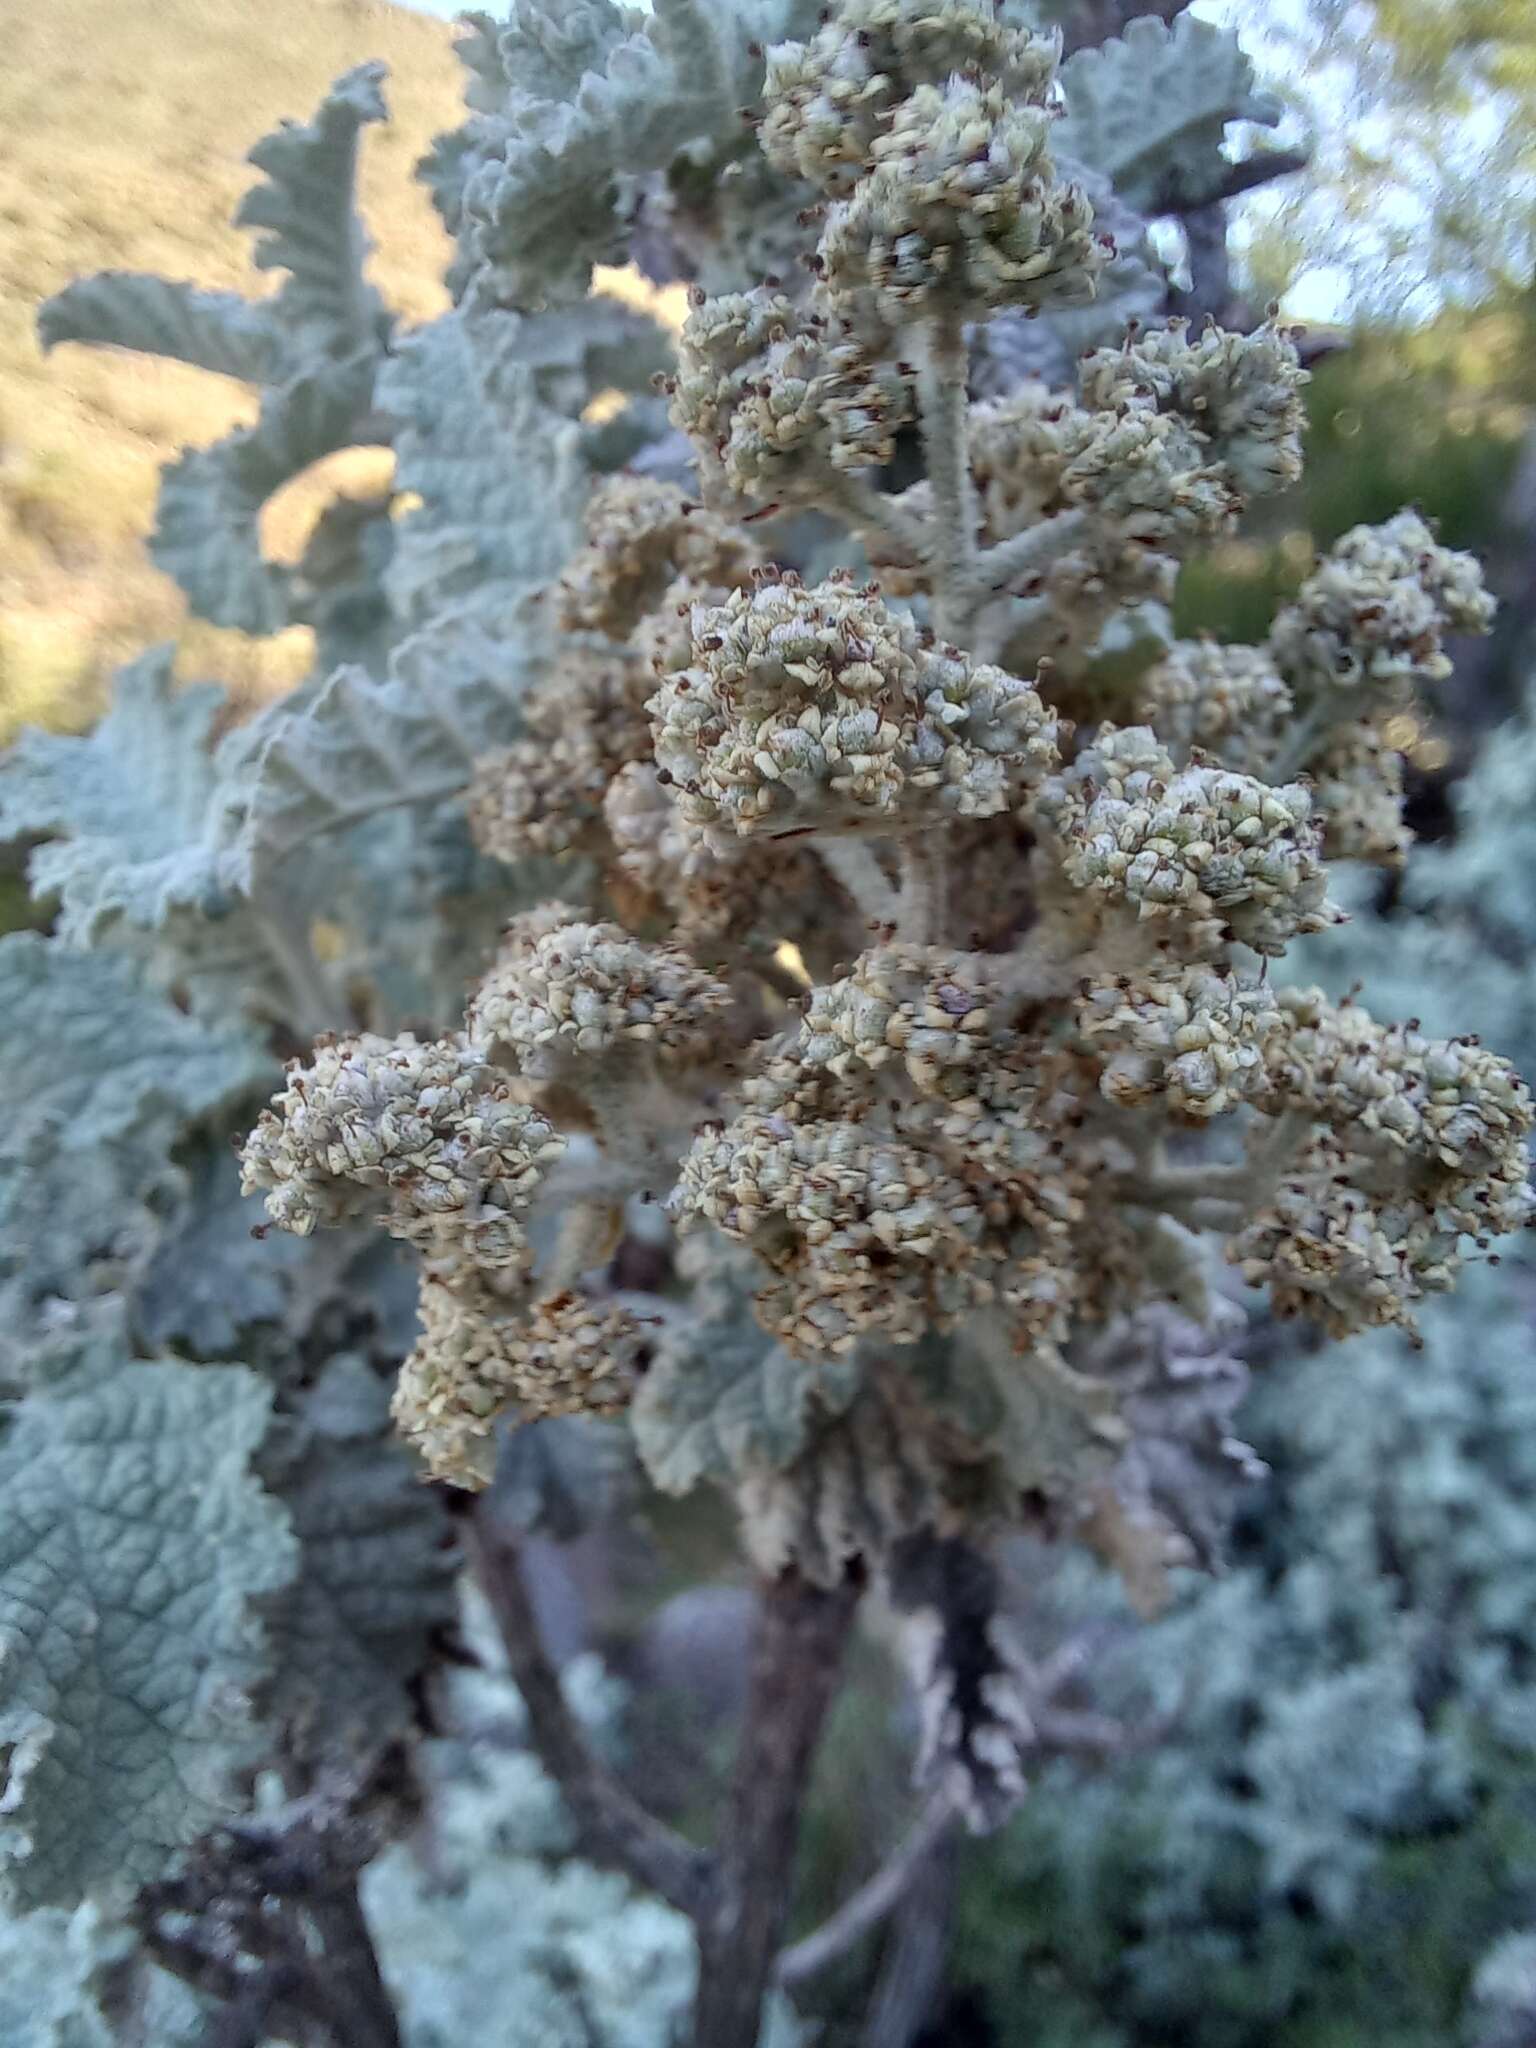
[{"x": 844, "y": 865}]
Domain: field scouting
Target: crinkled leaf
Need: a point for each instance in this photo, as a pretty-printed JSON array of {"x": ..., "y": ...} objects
[
  {"x": 1045, "y": 1428},
  {"x": 134, "y": 1541},
  {"x": 375, "y": 1571},
  {"x": 720, "y": 1399},
  {"x": 363, "y": 743},
  {"x": 471, "y": 430},
  {"x": 453, "y": 155},
  {"x": 162, "y": 316},
  {"x": 93, "y": 1049},
  {"x": 207, "y": 530},
  {"x": 468, "y": 562},
  {"x": 61, "y": 1972},
  {"x": 305, "y": 207},
  {"x": 137, "y": 817},
  {"x": 597, "y": 94},
  {"x": 572, "y": 352},
  {"x": 1150, "y": 108},
  {"x": 867, "y": 1479},
  {"x": 127, "y": 809},
  {"x": 209, "y": 1278},
  {"x": 102, "y": 1079}
]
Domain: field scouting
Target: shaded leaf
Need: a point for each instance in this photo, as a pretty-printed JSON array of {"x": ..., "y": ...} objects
[
  {"x": 720, "y": 1398},
  {"x": 134, "y": 1542},
  {"x": 209, "y": 1279},
  {"x": 102, "y": 1079},
  {"x": 1150, "y": 109},
  {"x": 375, "y": 1573}
]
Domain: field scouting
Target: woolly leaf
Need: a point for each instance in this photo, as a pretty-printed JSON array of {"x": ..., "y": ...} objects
[
  {"x": 361, "y": 744},
  {"x": 573, "y": 351},
  {"x": 207, "y": 532},
  {"x": 1046, "y": 1428},
  {"x": 61, "y": 1973},
  {"x": 306, "y": 211},
  {"x": 720, "y": 1399},
  {"x": 161, "y": 316},
  {"x": 468, "y": 561},
  {"x": 102, "y": 1078},
  {"x": 375, "y": 1571},
  {"x": 470, "y": 429},
  {"x": 209, "y": 1278},
  {"x": 134, "y": 1542},
  {"x": 1149, "y": 109},
  {"x": 97, "y": 1053},
  {"x": 138, "y": 815},
  {"x": 593, "y": 98},
  {"x": 128, "y": 808}
]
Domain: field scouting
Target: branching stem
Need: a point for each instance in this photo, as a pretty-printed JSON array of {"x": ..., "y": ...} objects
[
  {"x": 802, "y": 1635},
  {"x": 1025, "y": 554},
  {"x": 922, "y": 912},
  {"x": 943, "y": 409},
  {"x": 616, "y": 1830},
  {"x": 854, "y": 868},
  {"x": 862, "y": 1911}
]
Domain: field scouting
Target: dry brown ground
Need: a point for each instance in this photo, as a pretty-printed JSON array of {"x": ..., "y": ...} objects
[{"x": 123, "y": 131}]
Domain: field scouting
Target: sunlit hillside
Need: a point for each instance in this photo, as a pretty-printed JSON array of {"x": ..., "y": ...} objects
[{"x": 123, "y": 132}]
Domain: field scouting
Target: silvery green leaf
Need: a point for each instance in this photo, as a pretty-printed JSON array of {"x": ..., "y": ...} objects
[
  {"x": 721, "y": 1399},
  {"x": 375, "y": 1569},
  {"x": 127, "y": 810},
  {"x": 210, "y": 1278},
  {"x": 1149, "y": 109},
  {"x": 574, "y": 352},
  {"x": 610, "y": 93},
  {"x": 305, "y": 209},
  {"x": 103, "y": 1077},
  {"x": 135, "y": 1540},
  {"x": 207, "y": 529},
  {"x": 361, "y": 744},
  {"x": 162, "y": 316},
  {"x": 62, "y": 1974},
  {"x": 95, "y": 1050},
  {"x": 1046, "y": 1430},
  {"x": 470, "y": 429}
]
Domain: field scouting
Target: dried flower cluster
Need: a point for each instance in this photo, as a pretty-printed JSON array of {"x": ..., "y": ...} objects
[{"x": 1034, "y": 858}]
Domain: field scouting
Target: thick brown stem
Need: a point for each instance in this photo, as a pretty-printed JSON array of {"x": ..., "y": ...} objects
[
  {"x": 802, "y": 1634},
  {"x": 615, "y": 1828}
]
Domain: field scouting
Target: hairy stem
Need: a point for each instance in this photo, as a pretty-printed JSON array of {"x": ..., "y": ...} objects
[
  {"x": 854, "y": 868},
  {"x": 802, "y": 1634},
  {"x": 952, "y": 544},
  {"x": 875, "y": 517},
  {"x": 1025, "y": 554},
  {"x": 922, "y": 914},
  {"x": 314, "y": 1004},
  {"x": 615, "y": 1829}
]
